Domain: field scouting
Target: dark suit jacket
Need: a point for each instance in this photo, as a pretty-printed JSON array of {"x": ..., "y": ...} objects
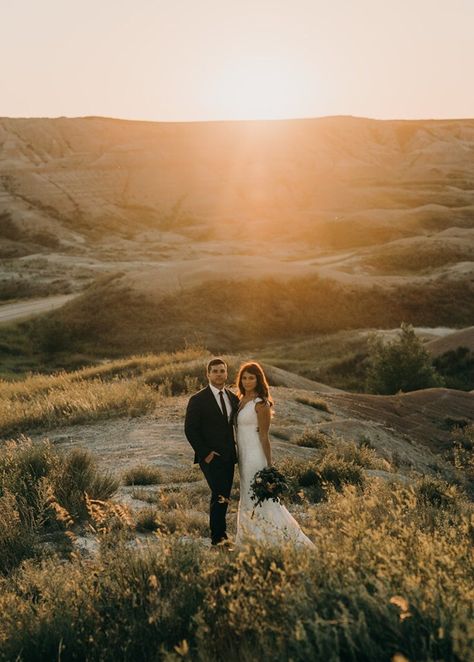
[{"x": 206, "y": 428}]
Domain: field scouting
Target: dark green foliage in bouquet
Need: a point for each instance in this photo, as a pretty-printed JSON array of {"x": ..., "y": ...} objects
[{"x": 268, "y": 483}]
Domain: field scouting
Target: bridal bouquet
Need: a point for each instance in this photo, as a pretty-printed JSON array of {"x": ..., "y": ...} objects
[{"x": 268, "y": 483}]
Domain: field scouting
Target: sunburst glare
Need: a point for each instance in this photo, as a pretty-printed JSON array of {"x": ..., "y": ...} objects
[{"x": 259, "y": 88}]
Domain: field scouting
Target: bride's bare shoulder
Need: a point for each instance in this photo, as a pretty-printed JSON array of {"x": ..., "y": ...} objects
[{"x": 260, "y": 403}]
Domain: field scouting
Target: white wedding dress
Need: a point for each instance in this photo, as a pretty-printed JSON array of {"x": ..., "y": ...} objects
[{"x": 271, "y": 522}]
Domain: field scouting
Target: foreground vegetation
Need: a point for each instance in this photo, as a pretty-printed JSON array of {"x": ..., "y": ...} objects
[
  {"x": 391, "y": 572},
  {"x": 42, "y": 493}
]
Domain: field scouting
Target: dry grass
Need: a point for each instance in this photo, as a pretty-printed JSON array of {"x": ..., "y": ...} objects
[
  {"x": 65, "y": 402},
  {"x": 188, "y": 475},
  {"x": 390, "y": 574},
  {"x": 175, "y": 510},
  {"x": 127, "y": 387},
  {"x": 148, "y": 520},
  {"x": 316, "y": 403},
  {"x": 42, "y": 494},
  {"x": 142, "y": 475},
  {"x": 312, "y": 438}
]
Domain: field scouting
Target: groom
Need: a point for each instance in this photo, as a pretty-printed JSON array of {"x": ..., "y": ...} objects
[{"x": 209, "y": 429}]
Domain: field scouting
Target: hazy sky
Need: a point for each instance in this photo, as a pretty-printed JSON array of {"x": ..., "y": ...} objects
[{"x": 227, "y": 59}]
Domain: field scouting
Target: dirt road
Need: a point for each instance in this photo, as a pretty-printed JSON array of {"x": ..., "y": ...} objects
[{"x": 11, "y": 312}]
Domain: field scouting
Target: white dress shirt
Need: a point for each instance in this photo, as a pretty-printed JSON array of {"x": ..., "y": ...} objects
[{"x": 228, "y": 405}]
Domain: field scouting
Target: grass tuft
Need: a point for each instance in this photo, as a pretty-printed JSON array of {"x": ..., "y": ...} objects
[
  {"x": 42, "y": 493},
  {"x": 312, "y": 438},
  {"x": 316, "y": 403},
  {"x": 148, "y": 520},
  {"x": 142, "y": 475}
]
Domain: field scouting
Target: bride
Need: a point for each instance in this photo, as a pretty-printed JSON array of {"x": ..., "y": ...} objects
[{"x": 270, "y": 521}]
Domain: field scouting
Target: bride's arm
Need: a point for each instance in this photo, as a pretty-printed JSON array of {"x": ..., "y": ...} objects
[{"x": 264, "y": 416}]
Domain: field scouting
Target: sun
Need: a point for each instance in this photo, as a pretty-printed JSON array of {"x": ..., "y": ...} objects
[{"x": 258, "y": 88}]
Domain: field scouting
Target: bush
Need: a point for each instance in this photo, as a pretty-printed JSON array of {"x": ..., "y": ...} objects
[
  {"x": 435, "y": 492},
  {"x": 78, "y": 476},
  {"x": 148, "y": 520},
  {"x": 339, "y": 472},
  {"x": 462, "y": 456},
  {"x": 360, "y": 454},
  {"x": 401, "y": 365},
  {"x": 312, "y": 438},
  {"x": 18, "y": 539},
  {"x": 142, "y": 475},
  {"x": 318, "y": 478},
  {"x": 457, "y": 368},
  {"x": 42, "y": 492}
]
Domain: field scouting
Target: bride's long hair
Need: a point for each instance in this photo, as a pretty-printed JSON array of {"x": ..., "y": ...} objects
[{"x": 262, "y": 384}]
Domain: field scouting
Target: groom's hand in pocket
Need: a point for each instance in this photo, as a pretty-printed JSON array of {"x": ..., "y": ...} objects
[{"x": 210, "y": 457}]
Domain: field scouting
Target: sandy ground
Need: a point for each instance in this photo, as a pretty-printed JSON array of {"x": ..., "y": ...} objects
[
  {"x": 410, "y": 426},
  {"x": 405, "y": 430}
]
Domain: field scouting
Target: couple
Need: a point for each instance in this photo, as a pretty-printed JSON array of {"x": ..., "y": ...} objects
[{"x": 215, "y": 419}]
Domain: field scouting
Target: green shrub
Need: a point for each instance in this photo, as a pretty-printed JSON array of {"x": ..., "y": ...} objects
[
  {"x": 318, "y": 478},
  {"x": 401, "y": 365},
  {"x": 339, "y": 472},
  {"x": 457, "y": 368}
]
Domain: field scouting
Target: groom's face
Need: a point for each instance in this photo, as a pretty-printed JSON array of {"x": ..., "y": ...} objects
[{"x": 217, "y": 375}]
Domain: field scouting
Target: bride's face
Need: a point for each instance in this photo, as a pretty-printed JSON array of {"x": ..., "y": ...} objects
[{"x": 249, "y": 382}]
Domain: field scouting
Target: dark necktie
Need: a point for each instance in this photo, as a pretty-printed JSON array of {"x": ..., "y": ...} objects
[{"x": 224, "y": 409}]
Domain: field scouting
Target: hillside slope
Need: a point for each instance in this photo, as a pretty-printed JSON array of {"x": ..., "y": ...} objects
[{"x": 96, "y": 175}]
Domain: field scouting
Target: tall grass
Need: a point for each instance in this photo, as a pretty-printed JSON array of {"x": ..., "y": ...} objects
[
  {"x": 126, "y": 387},
  {"x": 76, "y": 402},
  {"x": 382, "y": 580},
  {"x": 43, "y": 491}
]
